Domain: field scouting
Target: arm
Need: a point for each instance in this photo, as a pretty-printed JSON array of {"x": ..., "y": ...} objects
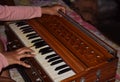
[
  {"x": 3, "y": 61},
  {"x": 27, "y": 12},
  {"x": 19, "y": 12}
]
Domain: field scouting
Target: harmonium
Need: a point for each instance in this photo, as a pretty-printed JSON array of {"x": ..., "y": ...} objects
[{"x": 65, "y": 51}]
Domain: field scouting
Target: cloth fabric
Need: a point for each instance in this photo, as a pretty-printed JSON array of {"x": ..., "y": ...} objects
[
  {"x": 3, "y": 37},
  {"x": 19, "y": 12},
  {"x": 3, "y": 61}
]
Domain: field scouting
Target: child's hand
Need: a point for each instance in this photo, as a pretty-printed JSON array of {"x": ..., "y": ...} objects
[
  {"x": 53, "y": 10},
  {"x": 14, "y": 57}
]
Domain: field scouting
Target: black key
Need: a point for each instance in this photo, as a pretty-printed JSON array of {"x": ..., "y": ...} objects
[
  {"x": 45, "y": 50},
  {"x": 61, "y": 67},
  {"x": 21, "y": 23},
  {"x": 24, "y": 30},
  {"x": 53, "y": 59},
  {"x": 33, "y": 35},
  {"x": 36, "y": 40},
  {"x": 28, "y": 31},
  {"x": 25, "y": 27},
  {"x": 56, "y": 62},
  {"x": 50, "y": 56},
  {"x": 40, "y": 44},
  {"x": 64, "y": 71}
]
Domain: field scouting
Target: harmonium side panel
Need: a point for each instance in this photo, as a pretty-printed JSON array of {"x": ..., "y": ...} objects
[
  {"x": 94, "y": 56},
  {"x": 102, "y": 73}
]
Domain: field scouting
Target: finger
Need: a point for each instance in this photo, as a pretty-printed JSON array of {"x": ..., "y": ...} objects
[
  {"x": 20, "y": 49},
  {"x": 25, "y": 50},
  {"x": 26, "y": 55},
  {"x": 62, "y": 9},
  {"x": 24, "y": 64}
]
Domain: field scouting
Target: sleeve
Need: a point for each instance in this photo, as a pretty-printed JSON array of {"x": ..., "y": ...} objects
[
  {"x": 8, "y": 13},
  {"x": 3, "y": 62}
]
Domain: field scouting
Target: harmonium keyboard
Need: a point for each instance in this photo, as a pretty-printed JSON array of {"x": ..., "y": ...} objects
[{"x": 65, "y": 51}]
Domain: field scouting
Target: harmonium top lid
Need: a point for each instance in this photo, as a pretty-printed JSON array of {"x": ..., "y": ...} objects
[{"x": 72, "y": 41}]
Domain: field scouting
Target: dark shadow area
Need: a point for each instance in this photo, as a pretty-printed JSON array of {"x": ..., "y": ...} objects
[
  {"x": 108, "y": 18},
  {"x": 109, "y": 21}
]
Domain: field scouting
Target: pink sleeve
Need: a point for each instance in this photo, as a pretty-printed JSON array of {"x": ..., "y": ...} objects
[
  {"x": 3, "y": 62},
  {"x": 19, "y": 12}
]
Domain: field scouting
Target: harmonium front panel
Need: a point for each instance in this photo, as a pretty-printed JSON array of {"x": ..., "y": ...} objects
[{"x": 64, "y": 52}]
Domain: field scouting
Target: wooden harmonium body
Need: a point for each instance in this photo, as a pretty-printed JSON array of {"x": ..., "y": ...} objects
[{"x": 65, "y": 51}]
